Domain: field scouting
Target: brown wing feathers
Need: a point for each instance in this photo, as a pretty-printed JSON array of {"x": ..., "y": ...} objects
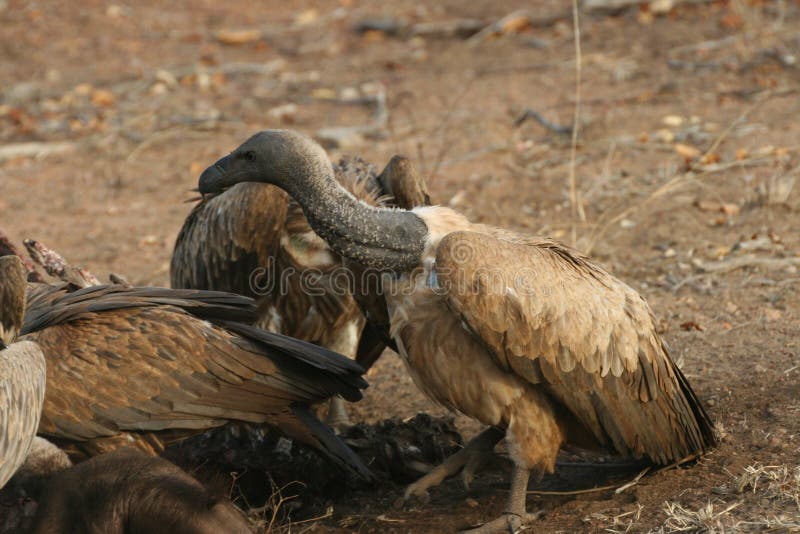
[
  {"x": 156, "y": 360},
  {"x": 553, "y": 318},
  {"x": 222, "y": 243},
  {"x": 52, "y": 305}
]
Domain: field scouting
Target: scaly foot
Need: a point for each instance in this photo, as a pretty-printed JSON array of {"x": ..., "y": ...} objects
[
  {"x": 507, "y": 522},
  {"x": 471, "y": 456}
]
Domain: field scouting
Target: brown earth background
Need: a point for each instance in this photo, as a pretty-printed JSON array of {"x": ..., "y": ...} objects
[{"x": 686, "y": 169}]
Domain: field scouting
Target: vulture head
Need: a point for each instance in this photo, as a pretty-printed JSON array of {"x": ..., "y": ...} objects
[
  {"x": 381, "y": 238},
  {"x": 13, "y": 283}
]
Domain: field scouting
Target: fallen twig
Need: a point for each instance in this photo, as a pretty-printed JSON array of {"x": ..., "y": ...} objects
[
  {"x": 617, "y": 6},
  {"x": 340, "y": 136},
  {"x": 528, "y": 113},
  {"x": 750, "y": 260},
  {"x": 515, "y": 21},
  {"x": 394, "y": 27},
  {"x": 574, "y": 199},
  {"x": 34, "y": 150},
  {"x": 632, "y": 482},
  {"x": 55, "y": 265}
]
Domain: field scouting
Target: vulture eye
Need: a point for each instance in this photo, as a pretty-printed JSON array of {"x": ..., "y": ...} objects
[{"x": 250, "y": 155}]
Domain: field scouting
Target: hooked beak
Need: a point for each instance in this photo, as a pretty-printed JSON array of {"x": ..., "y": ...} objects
[{"x": 215, "y": 178}]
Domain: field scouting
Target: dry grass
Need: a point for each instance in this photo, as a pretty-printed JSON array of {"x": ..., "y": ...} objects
[
  {"x": 762, "y": 498},
  {"x": 704, "y": 519},
  {"x": 620, "y": 523},
  {"x": 275, "y": 515},
  {"x": 775, "y": 482},
  {"x": 769, "y": 501}
]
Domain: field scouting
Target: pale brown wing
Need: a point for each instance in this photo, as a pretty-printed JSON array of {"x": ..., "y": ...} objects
[
  {"x": 553, "y": 318},
  {"x": 22, "y": 387},
  {"x": 153, "y": 359},
  {"x": 228, "y": 242}
]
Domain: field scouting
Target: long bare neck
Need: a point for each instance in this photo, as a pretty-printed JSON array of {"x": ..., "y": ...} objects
[{"x": 376, "y": 237}]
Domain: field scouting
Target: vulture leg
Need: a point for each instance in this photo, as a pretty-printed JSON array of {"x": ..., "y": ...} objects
[
  {"x": 345, "y": 342},
  {"x": 337, "y": 414},
  {"x": 516, "y": 513},
  {"x": 471, "y": 456}
]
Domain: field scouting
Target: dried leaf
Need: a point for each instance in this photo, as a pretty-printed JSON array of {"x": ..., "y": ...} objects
[
  {"x": 102, "y": 98},
  {"x": 237, "y": 37},
  {"x": 687, "y": 151},
  {"x": 692, "y": 325},
  {"x": 324, "y": 93},
  {"x": 730, "y": 209},
  {"x": 723, "y": 207},
  {"x": 306, "y": 17}
]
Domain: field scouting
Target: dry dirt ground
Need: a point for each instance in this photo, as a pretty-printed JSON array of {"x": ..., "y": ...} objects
[{"x": 686, "y": 171}]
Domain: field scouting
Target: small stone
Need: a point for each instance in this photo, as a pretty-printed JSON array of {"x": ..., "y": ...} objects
[
  {"x": 665, "y": 136},
  {"x": 284, "y": 113},
  {"x": 672, "y": 121},
  {"x": 472, "y": 503}
]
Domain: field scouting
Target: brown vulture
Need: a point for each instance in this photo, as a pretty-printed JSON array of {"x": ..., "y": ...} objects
[
  {"x": 519, "y": 332},
  {"x": 22, "y": 372},
  {"x": 129, "y": 491},
  {"x": 145, "y": 366},
  {"x": 254, "y": 240}
]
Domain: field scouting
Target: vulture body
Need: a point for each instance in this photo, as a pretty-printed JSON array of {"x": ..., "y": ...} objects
[
  {"x": 128, "y": 491},
  {"x": 521, "y": 333},
  {"x": 254, "y": 240},
  {"x": 22, "y": 372},
  {"x": 142, "y": 367}
]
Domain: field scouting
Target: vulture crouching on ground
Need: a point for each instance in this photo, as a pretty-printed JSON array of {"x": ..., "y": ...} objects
[
  {"x": 143, "y": 367},
  {"x": 255, "y": 241},
  {"x": 22, "y": 372},
  {"x": 519, "y": 332},
  {"x": 128, "y": 491}
]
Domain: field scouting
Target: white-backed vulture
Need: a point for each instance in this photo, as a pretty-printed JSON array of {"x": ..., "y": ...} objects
[
  {"x": 254, "y": 240},
  {"x": 143, "y": 366},
  {"x": 129, "y": 491},
  {"x": 519, "y": 332},
  {"x": 22, "y": 372}
]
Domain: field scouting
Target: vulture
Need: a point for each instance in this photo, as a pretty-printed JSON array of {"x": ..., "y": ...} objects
[
  {"x": 254, "y": 240},
  {"x": 129, "y": 491},
  {"x": 22, "y": 372},
  {"x": 520, "y": 332},
  {"x": 144, "y": 366}
]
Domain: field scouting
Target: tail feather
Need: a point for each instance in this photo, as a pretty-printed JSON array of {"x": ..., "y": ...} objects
[{"x": 331, "y": 446}]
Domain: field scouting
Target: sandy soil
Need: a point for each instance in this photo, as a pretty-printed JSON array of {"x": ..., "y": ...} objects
[{"x": 685, "y": 167}]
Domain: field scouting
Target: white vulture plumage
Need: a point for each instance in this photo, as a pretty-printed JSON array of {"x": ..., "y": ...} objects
[
  {"x": 22, "y": 372},
  {"x": 521, "y": 333},
  {"x": 254, "y": 240}
]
